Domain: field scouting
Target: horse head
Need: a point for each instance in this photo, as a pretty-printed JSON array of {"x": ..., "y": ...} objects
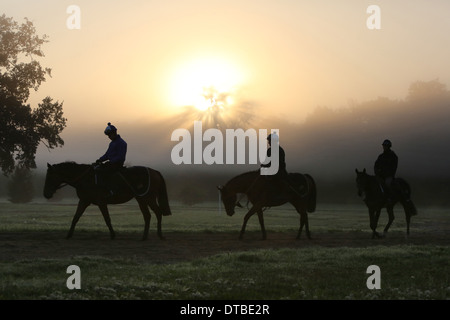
[
  {"x": 52, "y": 181},
  {"x": 361, "y": 181},
  {"x": 228, "y": 199}
]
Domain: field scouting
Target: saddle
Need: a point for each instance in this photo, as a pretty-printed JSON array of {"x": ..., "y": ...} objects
[
  {"x": 398, "y": 188},
  {"x": 136, "y": 179},
  {"x": 283, "y": 188}
]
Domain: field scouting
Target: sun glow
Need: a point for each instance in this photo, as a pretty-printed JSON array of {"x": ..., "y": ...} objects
[{"x": 199, "y": 82}]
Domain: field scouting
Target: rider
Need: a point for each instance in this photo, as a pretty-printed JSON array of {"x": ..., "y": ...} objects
[
  {"x": 113, "y": 159},
  {"x": 282, "y": 174},
  {"x": 386, "y": 166}
]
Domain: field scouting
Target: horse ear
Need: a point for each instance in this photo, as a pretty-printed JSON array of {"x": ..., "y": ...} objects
[
  {"x": 49, "y": 165},
  {"x": 356, "y": 170},
  {"x": 364, "y": 171}
]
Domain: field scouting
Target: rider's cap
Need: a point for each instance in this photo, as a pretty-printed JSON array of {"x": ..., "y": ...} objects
[
  {"x": 273, "y": 136},
  {"x": 387, "y": 143},
  {"x": 110, "y": 128}
]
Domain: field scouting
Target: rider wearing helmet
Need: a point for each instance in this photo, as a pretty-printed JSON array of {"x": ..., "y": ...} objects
[
  {"x": 117, "y": 150},
  {"x": 114, "y": 158},
  {"x": 281, "y": 156},
  {"x": 386, "y": 166},
  {"x": 279, "y": 180}
]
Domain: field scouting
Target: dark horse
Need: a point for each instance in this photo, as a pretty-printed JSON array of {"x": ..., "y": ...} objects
[
  {"x": 376, "y": 199},
  {"x": 262, "y": 192},
  {"x": 144, "y": 184}
]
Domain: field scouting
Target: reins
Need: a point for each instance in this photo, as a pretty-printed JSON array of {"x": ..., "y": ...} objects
[{"x": 246, "y": 192}]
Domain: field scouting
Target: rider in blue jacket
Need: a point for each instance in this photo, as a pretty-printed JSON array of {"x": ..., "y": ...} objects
[
  {"x": 113, "y": 159},
  {"x": 117, "y": 149}
]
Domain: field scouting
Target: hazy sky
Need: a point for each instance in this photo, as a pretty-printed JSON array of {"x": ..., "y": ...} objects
[{"x": 142, "y": 60}]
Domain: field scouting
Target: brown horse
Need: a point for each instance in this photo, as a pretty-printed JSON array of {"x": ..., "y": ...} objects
[
  {"x": 268, "y": 191},
  {"x": 144, "y": 184},
  {"x": 376, "y": 199}
]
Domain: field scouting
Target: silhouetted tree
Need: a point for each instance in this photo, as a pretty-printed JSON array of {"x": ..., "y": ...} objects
[
  {"x": 22, "y": 128},
  {"x": 20, "y": 186},
  {"x": 427, "y": 90}
]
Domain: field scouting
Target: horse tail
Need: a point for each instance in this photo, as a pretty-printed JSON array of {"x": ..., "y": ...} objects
[
  {"x": 407, "y": 203},
  {"x": 163, "y": 199},
  {"x": 312, "y": 194}
]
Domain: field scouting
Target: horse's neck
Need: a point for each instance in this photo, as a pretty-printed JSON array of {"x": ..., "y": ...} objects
[
  {"x": 242, "y": 183},
  {"x": 75, "y": 172},
  {"x": 373, "y": 186}
]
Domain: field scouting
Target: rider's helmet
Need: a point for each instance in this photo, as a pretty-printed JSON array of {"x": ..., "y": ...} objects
[
  {"x": 110, "y": 129},
  {"x": 273, "y": 137},
  {"x": 387, "y": 143}
]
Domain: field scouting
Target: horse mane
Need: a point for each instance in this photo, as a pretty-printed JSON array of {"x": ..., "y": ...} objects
[
  {"x": 243, "y": 174},
  {"x": 69, "y": 165}
]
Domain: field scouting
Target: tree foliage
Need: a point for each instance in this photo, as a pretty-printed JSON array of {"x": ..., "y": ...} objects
[
  {"x": 20, "y": 186},
  {"x": 23, "y": 128}
]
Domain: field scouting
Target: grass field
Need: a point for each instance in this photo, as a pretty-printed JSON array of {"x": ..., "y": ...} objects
[{"x": 203, "y": 259}]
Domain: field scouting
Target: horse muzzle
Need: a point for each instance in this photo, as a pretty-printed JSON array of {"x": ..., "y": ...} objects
[
  {"x": 230, "y": 213},
  {"x": 361, "y": 193},
  {"x": 49, "y": 193}
]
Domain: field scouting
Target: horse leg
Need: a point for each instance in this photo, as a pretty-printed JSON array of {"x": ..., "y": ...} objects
[
  {"x": 82, "y": 205},
  {"x": 261, "y": 223},
  {"x": 410, "y": 210},
  {"x": 251, "y": 212},
  {"x": 146, "y": 213},
  {"x": 158, "y": 212},
  {"x": 301, "y": 209},
  {"x": 377, "y": 218},
  {"x": 408, "y": 220},
  {"x": 304, "y": 222},
  {"x": 373, "y": 216},
  {"x": 390, "y": 211},
  {"x": 104, "y": 209}
]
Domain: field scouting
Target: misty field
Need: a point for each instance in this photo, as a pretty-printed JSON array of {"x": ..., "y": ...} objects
[{"x": 202, "y": 258}]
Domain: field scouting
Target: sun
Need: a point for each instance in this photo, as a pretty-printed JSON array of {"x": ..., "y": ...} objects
[{"x": 193, "y": 82}]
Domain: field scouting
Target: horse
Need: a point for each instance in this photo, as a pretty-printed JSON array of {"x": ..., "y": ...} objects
[
  {"x": 265, "y": 191},
  {"x": 376, "y": 199},
  {"x": 144, "y": 184}
]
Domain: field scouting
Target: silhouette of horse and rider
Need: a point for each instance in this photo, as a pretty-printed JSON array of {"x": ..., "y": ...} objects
[
  {"x": 265, "y": 191},
  {"x": 384, "y": 190},
  {"x": 109, "y": 182}
]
